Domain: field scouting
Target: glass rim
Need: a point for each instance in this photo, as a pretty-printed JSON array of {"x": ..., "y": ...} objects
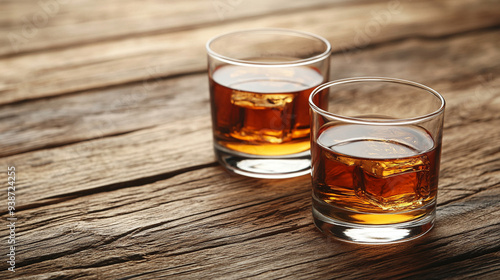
[
  {"x": 399, "y": 121},
  {"x": 298, "y": 62}
]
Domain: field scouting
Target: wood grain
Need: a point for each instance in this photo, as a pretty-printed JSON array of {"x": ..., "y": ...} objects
[
  {"x": 100, "y": 113},
  {"x": 127, "y": 60},
  {"x": 149, "y": 148},
  {"x": 110, "y": 162},
  {"x": 73, "y": 23},
  {"x": 232, "y": 225},
  {"x": 110, "y": 133}
]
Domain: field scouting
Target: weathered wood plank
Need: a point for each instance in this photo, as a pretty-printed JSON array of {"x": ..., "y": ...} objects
[
  {"x": 127, "y": 60},
  {"x": 139, "y": 155},
  {"x": 95, "y": 114},
  {"x": 27, "y": 26},
  {"x": 100, "y": 113},
  {"x": 204, "y": 223}
]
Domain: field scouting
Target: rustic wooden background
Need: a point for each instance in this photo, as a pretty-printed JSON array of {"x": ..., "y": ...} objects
[{"x": 104, "y": 113}]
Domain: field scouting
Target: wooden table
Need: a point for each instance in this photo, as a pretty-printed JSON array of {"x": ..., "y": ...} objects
[{"x": 105, "y": 116}]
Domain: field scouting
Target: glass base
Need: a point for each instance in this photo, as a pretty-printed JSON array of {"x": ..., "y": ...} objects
[
  {"x": 264, "y": 167},
  {"x": 374, "y": 234}
]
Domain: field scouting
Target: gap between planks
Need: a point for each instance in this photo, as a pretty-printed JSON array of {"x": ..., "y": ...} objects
[{"x": 51, "y": 200}]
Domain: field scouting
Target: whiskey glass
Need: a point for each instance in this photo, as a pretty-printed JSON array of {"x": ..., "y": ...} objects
[
  {"x": 376, "y": 148},
  {"x": 260, "y": 81}
]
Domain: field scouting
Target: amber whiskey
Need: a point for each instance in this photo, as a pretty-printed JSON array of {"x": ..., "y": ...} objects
[
  {"x": 262, "y": 111},
  {"x": 374, "y": 175}
]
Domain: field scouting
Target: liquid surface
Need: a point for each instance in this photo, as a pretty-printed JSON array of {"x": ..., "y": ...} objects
[
  {"x": 362, "y": 170},
  {"x": 262, "y": 111}
]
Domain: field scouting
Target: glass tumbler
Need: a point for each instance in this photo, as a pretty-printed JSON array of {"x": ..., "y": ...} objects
[
  {"x": 260, "y": 82},
  {"x": 376, "y": 147}
]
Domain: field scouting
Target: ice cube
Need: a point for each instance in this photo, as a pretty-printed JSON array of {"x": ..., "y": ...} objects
[
  {"x": 265, "y": 118},
  {"x": 392, "y": 184},
  {"x": 376, "y": 152},
  {"x": 349, "y": 161},
  {"x": 385, "y": 168},
  {"x": 261, "y": 100}
]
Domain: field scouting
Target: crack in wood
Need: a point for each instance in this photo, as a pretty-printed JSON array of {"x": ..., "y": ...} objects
[
  {"x": 187, "y": 182},
  {"x": 135, "y": 182},
  {"x": 131, "y": 83},
  {"x": 459, "y": 258},
  {"x": 69, "y": 143},
  {"x": 249, "y": 205},
  {"x": 165, "y": 269},
  {"x": 112, "y": 187},
  {"x": 264, "y": 235},
  {"x": 474, "y": 192},
  {"x": 161, "y": 270}
]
